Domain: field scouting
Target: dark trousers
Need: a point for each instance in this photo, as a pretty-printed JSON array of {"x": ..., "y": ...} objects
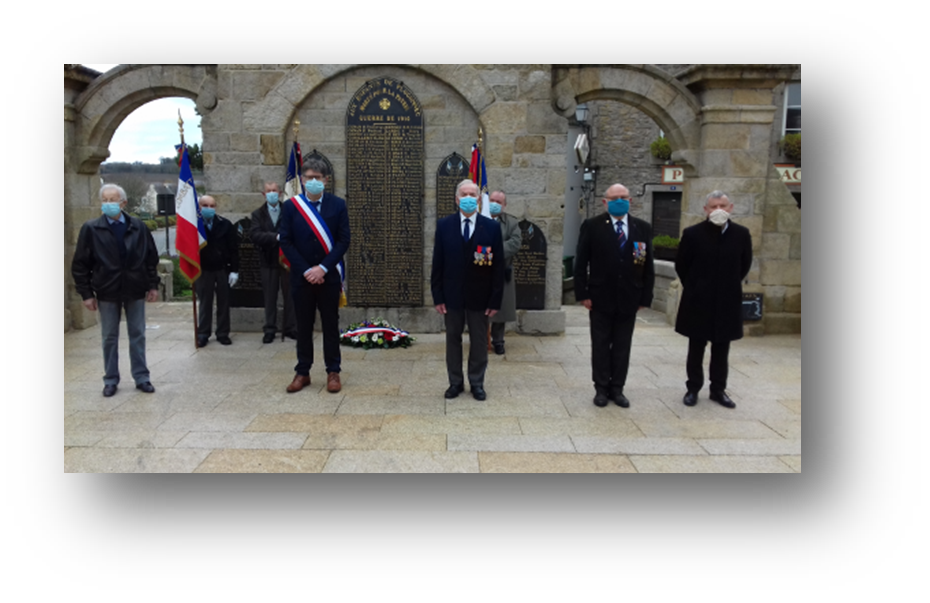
[
  {"x": 611, "y": 339},
  {"x": 497, "y": 332},
  {"x": 477, "y": 346},
  {"x": 212, "y": 282},
  {"x": 719, "y": 352},
  {"x": 274, "y": 279},
  {"x": 307, "y": 300}
]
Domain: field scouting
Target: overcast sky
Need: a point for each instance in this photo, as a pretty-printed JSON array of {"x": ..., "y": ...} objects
[{"x": 151, "y": 131}]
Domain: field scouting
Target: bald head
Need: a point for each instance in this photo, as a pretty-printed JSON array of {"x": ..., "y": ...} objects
[{"x": 208, "y": 201}]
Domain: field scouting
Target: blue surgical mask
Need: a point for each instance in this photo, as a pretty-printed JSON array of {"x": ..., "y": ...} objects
[
  {"x": 208, "y": 212},
  {"x": 468, "y": 204},
  {"x": 272, "y": 198},
  {"x": 314, "y": 187},
  {"x": 495, "y": 208},
  {"x": 618, "y": 207},
  {"x": 110, "y": 209}
]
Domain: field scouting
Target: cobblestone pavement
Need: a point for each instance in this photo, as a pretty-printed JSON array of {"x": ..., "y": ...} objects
[{"x": 225, "y": 409}]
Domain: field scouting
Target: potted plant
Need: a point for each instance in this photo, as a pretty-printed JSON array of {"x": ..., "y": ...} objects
[
  {"x": 790, "y": 146},
  {"x": 661, "y": 149},
  {"x": 665, "y": 247}
]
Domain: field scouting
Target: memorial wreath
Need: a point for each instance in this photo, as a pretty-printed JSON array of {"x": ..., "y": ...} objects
[{"x": 377, "y": 333}]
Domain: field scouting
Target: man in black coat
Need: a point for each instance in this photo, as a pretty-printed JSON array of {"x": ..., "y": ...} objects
[
  {"x": 467, "y": 283},
  {"x": 614, "y": 277},
  {"x": 713, "y": 259},
  {"x": 115, "y": 270},
  {"x": 219, "y": 264},
  {"x": 263, "y": 232}
]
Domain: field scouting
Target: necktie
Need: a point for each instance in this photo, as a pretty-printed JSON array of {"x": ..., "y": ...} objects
[
  {"x": 467, "y": 232},
  {"x": 316, "y": 206},
  {"x": 621, "y": 238}
]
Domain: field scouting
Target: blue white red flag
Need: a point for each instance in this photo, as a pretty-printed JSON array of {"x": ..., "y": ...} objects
[
  {"x": 190, "y": 233},
  {"x": 478, "y": 175},
  {"x": 292, "y": 184}
]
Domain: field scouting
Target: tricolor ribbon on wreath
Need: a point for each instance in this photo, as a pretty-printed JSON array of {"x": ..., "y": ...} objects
[
  {"x": 319, "y": 228},
  {"x": 395, "y": 333}
]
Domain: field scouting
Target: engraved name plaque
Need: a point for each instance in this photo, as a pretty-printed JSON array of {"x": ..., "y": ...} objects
[{"x": 385, "y": 188}]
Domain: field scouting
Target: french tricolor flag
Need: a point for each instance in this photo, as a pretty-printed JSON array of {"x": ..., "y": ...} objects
[{"x": 191, "y": 234}]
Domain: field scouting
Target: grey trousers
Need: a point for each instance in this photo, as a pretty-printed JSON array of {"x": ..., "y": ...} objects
[
  {"x": 109, "y": 330},
  {"x": 477, "y": 346}
]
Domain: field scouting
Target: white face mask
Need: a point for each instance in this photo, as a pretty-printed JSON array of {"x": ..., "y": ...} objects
[{"x": 719, "y": 217}]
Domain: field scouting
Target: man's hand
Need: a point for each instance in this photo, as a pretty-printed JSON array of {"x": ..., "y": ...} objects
[
  {"x": 152, "y": 295},
  {"x": 233, "y": 278},
  {"x": 91, "y": 304},
  {"x": 586, "y": 303},
  {"x": 441, "y": 308},
  {"x": 489, "y": 312},
  {"x": 315, "y": 275}
]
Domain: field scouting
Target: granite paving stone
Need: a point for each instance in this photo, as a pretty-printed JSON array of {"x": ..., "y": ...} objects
[{"x": 548, "y": 462}]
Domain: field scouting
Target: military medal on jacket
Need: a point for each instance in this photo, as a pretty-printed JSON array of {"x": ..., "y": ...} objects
[{"x": 483, "y": 255}]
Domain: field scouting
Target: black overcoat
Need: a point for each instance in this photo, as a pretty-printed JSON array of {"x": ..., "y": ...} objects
[{"x": 711, "y": 267}]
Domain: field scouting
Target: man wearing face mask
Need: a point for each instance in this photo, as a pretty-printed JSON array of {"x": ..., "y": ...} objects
[
  {"x": 614, "y": 276},
  {"x": 114, "y": 270},
  {"x": 513, "y": 238},
  {"x": 219, "y": 264},
  {"x": 263, "y": 232},
  {"x": 467, "y": 283},
  {"x": 713, "y": 259},
  {"x": 315, "y": 237}
]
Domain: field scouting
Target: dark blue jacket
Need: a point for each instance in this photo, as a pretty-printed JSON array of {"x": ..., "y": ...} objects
[
  {"x": 301, "y": 246},
  {"x": 457, "y": 280}
]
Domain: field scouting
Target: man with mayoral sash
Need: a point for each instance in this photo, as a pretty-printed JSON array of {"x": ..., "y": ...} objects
[{"x": 314, "y": 231}]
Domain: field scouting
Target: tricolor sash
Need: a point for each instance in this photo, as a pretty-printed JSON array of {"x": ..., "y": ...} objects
[{"x": 324, "y": 236}]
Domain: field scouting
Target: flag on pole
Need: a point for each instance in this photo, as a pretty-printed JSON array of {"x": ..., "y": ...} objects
[
  {"x": 478, "y": 175},
  {"x": 292, "y": 184},
  {"x": 190, "y": 235}
]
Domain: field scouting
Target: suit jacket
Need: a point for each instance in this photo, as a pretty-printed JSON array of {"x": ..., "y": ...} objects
[
  {"x": 712, "y": 266},
  {"x": 457, "y": 280},
  {"x": 301, "y": 246},
  {"x": 611, "y": 280},
  {"x": 222, "y": 249},
  {"x": 264, "y": 234}
]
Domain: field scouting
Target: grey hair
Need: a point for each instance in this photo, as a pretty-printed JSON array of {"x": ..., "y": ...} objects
[
  {"x": 458, "y": 189},
  {"x": 317, "y": 165},
  {"x": 716, "y": 195},
  {"x": 113, "y": 187}
]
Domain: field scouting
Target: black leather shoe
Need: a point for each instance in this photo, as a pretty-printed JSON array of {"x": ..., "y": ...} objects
[
  {"x": 268, "y": 338},
  {"x": 291, "y": 335},
  {"x": 224, "y": 340},
  {"x": 621, "y": 401},
  {"x": 690, "y": 399},
  {"x": 722, "y": 399},
  {"x": 109, "y": 390},
  {"x": 478, "y": 393},
  {"x": 499, "y": 348},
  {"x": 202, "y": 342},
  {"x": 146, "y": 387},
  {"x": 601, "y": 400},
  {"x": 454, "y": 391}
]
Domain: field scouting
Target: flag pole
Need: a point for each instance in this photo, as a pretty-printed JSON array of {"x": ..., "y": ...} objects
[
  {"x": 193, "y": 289},
  {"x": 286, "y": 300},
  {"x": 478, "y": 172}
]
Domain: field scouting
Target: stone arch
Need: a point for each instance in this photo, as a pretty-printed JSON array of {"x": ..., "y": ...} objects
[
  {"x": 110, "y": 98},
  {"x": 275, "y": 111},
  {"x": 654, "y": 92}
]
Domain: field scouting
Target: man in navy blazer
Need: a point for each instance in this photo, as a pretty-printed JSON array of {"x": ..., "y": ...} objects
[
  {"x": 467, "y": 283},
  {"x": 315, "y": 280}
]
